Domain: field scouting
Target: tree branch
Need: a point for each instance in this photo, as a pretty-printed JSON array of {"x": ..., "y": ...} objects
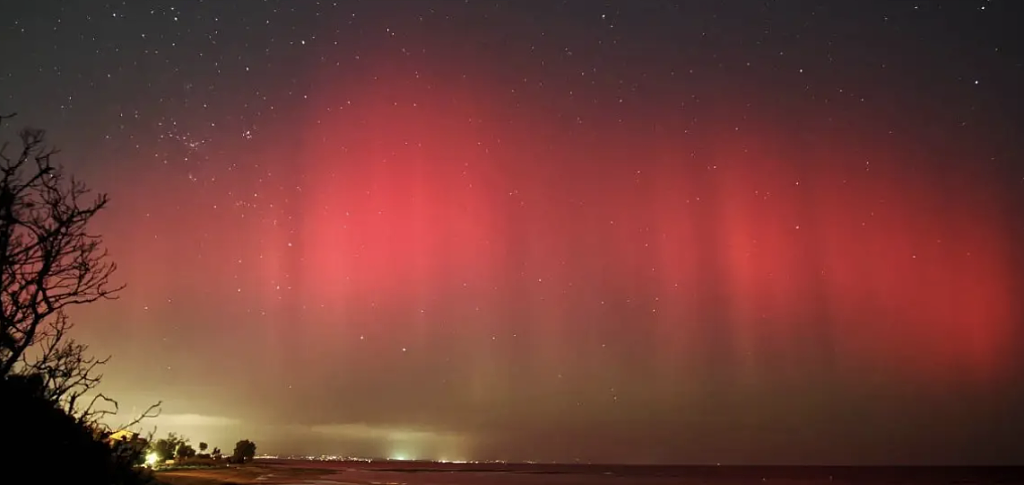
[{"x": 48, "y": 259}]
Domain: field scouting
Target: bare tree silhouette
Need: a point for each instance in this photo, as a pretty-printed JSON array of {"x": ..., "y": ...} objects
[{"x": 49, "y": 261}]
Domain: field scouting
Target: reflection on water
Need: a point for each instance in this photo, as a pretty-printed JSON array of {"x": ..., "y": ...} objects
[{"x": 413, "y": 473}]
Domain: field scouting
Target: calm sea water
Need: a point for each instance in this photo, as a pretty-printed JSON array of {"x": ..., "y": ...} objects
[{"x": 412, "y": 473}]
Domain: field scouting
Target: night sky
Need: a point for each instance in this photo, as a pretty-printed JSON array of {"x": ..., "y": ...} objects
[{"x": 624, "y": 231}]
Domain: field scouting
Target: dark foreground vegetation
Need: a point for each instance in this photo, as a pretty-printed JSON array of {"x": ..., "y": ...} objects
[
  {"x": 50, "y": 412},
  {"x": 53, "y": 446},
  {"x": 56, "y": 424}
]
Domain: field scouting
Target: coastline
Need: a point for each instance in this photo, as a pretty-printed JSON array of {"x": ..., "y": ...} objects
[{"x": 303, "y": 472}]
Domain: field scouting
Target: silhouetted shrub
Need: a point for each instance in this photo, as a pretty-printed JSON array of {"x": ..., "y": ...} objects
[
  {"x": 46, "y": 445},
  {"x": 245, "y": 450}
]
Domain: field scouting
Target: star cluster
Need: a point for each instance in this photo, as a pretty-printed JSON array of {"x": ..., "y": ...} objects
[{"x": 617, "y": 231}]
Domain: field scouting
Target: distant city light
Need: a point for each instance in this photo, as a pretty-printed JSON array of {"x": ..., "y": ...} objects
[{"x": 446, "y": 460}]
